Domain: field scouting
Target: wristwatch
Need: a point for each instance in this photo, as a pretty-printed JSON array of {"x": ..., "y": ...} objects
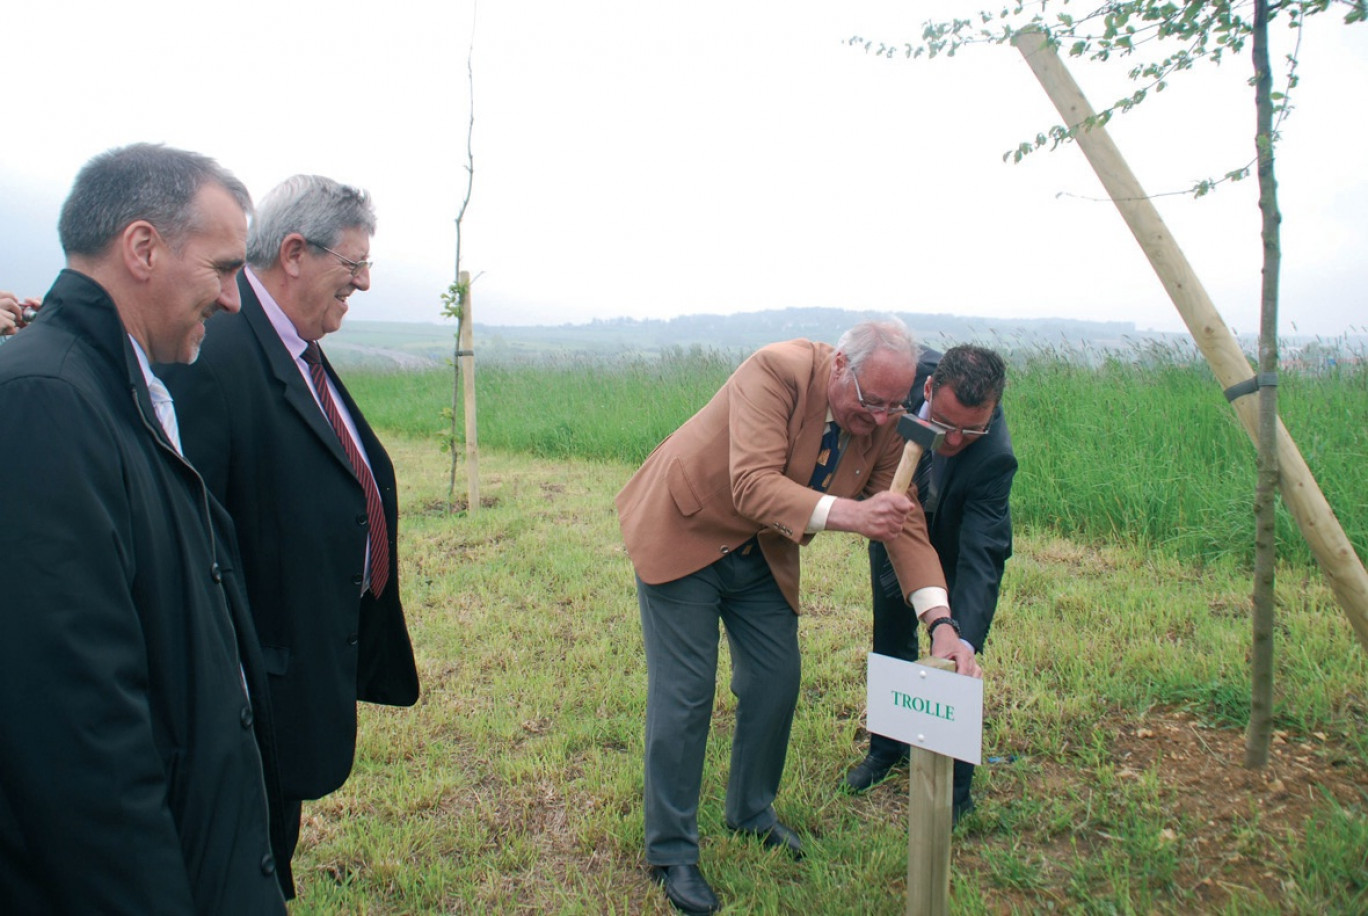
[{"x": 947, "y": 619}]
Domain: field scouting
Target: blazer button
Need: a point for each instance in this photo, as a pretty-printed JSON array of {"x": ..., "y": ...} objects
[
  {"x": 358, "y": 579},
  {"x": 246, "y": 717},
  {"x": 725, "y": 549},
  {"x": 352, "y": 639},
  {"x": 268, "y": 864},
  {"x": 216, "y": 573},
  {"x": 362, "y": 520}
]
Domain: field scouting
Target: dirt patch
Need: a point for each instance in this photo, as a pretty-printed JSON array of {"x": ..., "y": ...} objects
[
  {"x": 1232, "y": 821},
  {"x": 440, "y": 507}
]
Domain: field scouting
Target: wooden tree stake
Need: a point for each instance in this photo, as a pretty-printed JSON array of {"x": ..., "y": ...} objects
[
  {"x": 929, "y": 819},
  {"x": 1308, "y": 506},
  {"x": 465, "y": 345}
]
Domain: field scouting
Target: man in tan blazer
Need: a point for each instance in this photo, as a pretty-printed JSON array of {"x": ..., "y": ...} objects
[{"x": 713, "y": 521}]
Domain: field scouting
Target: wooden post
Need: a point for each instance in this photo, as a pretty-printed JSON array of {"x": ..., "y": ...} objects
[
  {"x": 466, "y": 351},
  {"x": 929, "y": 819},
  {"x": 1339, "y": 563}
]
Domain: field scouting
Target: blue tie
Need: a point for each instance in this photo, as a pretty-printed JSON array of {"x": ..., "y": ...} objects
[{"x": 826, "y": 458}]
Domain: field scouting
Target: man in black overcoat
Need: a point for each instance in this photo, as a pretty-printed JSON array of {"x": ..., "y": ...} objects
[
  {"x": 307, "y": 482},
  {"x": 964, "y": 487},
  {"x": 130, "y": 679}
]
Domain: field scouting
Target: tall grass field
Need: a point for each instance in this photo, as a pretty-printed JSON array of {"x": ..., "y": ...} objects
[
  {"x": 1137, "y": 452},
  {"x": 1116, "y": 678}
]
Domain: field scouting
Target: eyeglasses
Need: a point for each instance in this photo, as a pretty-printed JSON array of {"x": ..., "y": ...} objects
[
  {"x": 354, "y": 266},
  {"x": 945, "y": 429},
  {"x": 888, "y": 410}
]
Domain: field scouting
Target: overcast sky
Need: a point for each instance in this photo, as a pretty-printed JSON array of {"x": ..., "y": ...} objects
[{"x": 644, "y": 159}]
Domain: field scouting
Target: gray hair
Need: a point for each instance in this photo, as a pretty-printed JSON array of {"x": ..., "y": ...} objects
[
  {"x": 318, "y": 208},
  {"x": 868, "y": 337},
  {"x": 143, "y": 181}
]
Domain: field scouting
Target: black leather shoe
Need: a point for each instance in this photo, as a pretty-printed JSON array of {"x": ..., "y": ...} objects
[
  {"x": 776, "y": 837},
  {"x": 687, "y": 890},
  {"x": 867, "y": 774}
]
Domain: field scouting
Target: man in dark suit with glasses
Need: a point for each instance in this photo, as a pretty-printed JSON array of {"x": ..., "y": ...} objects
[{"x": 964, "y": 488}]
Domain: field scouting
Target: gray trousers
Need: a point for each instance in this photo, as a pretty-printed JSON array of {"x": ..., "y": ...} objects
[{"x": 679, "y": 623}]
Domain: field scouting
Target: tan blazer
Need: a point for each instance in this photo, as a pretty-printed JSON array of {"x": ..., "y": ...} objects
[{"x": 740, "y": 467}]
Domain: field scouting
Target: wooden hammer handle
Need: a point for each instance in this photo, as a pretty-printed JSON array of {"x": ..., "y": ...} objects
[{"x": 902, "y": 477}]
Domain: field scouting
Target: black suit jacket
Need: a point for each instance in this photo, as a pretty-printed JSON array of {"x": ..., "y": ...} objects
[
  {"x": 250, "y": 423},
  {"x": 130, "y": 777},
  {"x": 969, "y": 521}
]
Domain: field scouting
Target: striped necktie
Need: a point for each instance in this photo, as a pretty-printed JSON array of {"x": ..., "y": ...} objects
[
  {"x": 375, "y": 510},
  {"x": 927, "y": 481},
  {"x": 827, "y": 456}
]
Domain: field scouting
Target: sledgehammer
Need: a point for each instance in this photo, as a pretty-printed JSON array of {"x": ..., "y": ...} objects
[{"x": 921, "y": 437}]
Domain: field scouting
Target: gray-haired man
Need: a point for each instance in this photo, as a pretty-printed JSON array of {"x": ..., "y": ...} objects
[{"x": 310, "y": 487}]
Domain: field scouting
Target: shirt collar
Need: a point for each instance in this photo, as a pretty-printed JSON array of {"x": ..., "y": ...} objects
[
  {"x": 143, "y": 364},
  {"x": 284, "y": 327}
]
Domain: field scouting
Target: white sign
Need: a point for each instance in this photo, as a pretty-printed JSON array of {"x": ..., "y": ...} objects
[{"x": 936, "y": 710}]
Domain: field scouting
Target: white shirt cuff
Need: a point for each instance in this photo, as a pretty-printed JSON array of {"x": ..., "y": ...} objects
[
  {"x": 924, "y": 599},
  {"x": 819, "y": 515}
]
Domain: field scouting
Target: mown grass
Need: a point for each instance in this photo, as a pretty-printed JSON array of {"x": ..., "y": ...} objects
[{"x": 515, "y": 784}]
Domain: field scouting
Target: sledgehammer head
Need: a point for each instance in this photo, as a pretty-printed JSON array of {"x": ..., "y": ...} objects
[
  {"x": 915, "y": 429},
  {"x": 921, "y": 437}
]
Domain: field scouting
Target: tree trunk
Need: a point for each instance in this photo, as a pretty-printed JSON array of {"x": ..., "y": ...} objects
[{"x": 1259, "y": 733}]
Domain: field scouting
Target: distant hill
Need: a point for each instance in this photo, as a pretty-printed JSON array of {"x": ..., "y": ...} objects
[
  {"x": 749, "y": 330},
  {"x": 407, "y": 345}
]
